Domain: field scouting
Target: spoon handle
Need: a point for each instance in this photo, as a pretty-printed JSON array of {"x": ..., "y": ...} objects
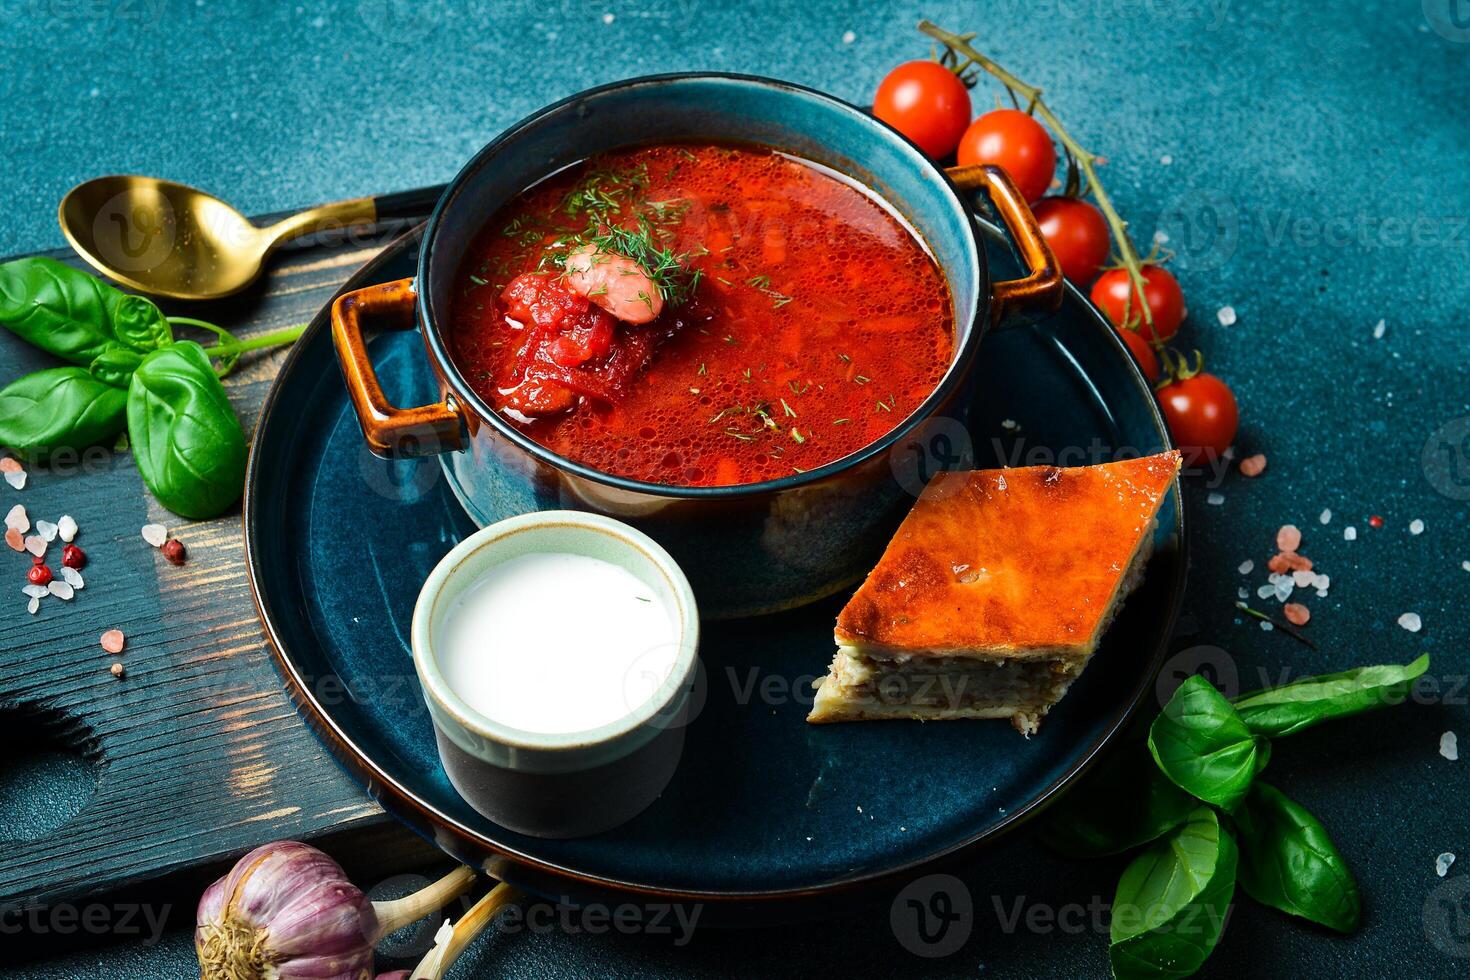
[
  {"x": 355, "y": 212},
  {"x": 416, "y": 203}
]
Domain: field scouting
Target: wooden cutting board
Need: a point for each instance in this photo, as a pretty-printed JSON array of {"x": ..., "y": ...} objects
[{"x": 197, "y": 754}]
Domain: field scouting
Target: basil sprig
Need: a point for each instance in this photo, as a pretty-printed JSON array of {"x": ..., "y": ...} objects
[
  {"x": 1204, "y": 748},
  {"x": 1290, "y": 863},
  {"x": 1172, "y": 901},
  {"x": 129, "y": 371},
  {"x": 1201, "y": 743},
  {"x": 186, "y": 438}
]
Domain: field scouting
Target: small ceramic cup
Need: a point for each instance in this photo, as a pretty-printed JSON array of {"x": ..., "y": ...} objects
[{"x": 568, "y": 784}]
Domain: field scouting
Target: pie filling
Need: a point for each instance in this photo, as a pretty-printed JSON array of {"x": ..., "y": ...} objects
[{"x": 953, "y": 683}]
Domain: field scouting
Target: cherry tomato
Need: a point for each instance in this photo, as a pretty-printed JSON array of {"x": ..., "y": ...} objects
[
  {"x": 1143, "y": 353},
  {"x": 927, "y": 103},
  {"x": 1202, "y": 415},
  {"x": 1111, "y": 293},
  {"x": 1017, "y": 144},
  {"x": 1077, "y": 233}
]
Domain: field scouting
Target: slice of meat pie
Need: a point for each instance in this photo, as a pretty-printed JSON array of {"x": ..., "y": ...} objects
[{"x": 994, "y": 592}]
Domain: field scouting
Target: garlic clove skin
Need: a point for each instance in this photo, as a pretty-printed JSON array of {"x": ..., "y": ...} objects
[{"x": 286, "y": 911}]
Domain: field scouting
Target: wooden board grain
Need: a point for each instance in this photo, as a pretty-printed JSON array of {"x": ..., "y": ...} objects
[{"x": 198, "y": 752}]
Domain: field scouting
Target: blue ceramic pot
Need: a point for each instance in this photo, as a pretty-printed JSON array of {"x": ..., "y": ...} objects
[{"x": 748, "y": 549}]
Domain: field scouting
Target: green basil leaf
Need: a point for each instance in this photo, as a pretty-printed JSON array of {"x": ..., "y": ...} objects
[
  {"x": 1172, "y": 901},
  {"x": 59, "y": 408},
  {"x": 186, "y": 438},
  {"x": 138, "y": 323},
  {"x": 115, "y": 367},
  {"x": 74, "y": 315},
  {"x": 1288, "y": 862},
  {"x": 1202, "y": 745},
  {"x": 1291, "y": 708},
  {"x": 1123, "y": 802}
]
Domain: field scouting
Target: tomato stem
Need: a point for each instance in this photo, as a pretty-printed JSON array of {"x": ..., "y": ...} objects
[{"x": 959, "y": 45}]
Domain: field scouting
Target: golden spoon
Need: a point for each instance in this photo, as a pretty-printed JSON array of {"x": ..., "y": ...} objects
[{"x": 169, "y": 239}]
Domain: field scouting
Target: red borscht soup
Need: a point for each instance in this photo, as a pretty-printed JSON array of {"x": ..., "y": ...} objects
[{"x": 701, "y": 315}]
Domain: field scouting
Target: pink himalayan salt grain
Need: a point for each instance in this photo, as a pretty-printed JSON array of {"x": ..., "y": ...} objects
[
  {"x": 1296, "y": 613},
  {"x": 1289, "y": 538},
  {"x": 10, "y": 464},
  {"x": 113, "y": 640},
  {"x": 1289, "y": 561},
  {"x": 15, "y": 539},
  {"x": 1253, "y": 465}
]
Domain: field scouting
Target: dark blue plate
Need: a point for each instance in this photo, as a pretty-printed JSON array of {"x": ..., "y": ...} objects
[{"x": 764, "y": 806}]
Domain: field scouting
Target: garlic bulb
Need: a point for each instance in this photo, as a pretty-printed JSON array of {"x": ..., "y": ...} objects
[{"x": 286, "y": 911}]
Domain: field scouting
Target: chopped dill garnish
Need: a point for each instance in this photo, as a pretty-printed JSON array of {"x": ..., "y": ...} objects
[
  {"x": 862, "y": 379},
  {"x": 701, "y": 367},
  {"x": 676, "y": 282},
  {"x": 797, "y": 435},
  {"x": 739, "y": 435},
  {"x": 779, "y": 300},
  {"x": 790, "y": 412},
  {"x": 841, "y": 421},
  {"x": 478, "y": 281},
  {"x": 732, "y": 410},
  {"x": 843, "y": 358},
  {"x": 602, "y": 196},
  {"x": 759, "y": 282},
  {"x": 883, "y": 407},
  {"x": 667, "y": 212},
  {"x": 601, "y": 191},
  {"x": 525, "y": 228}
]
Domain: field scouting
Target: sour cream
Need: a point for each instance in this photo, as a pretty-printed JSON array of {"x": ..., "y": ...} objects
[{"x": 554, "y": 643}]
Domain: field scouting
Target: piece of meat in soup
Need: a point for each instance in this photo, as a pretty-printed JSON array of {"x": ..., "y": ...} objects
[{"x": 614, "y": 282}]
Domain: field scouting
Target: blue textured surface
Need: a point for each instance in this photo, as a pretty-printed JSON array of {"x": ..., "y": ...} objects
[{"x": 1329, "y": 139}]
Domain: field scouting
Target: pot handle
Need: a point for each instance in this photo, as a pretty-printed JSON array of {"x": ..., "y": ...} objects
[
  {"x": 390, "y": 432},
  {"x": 1016, "y": 301}
]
